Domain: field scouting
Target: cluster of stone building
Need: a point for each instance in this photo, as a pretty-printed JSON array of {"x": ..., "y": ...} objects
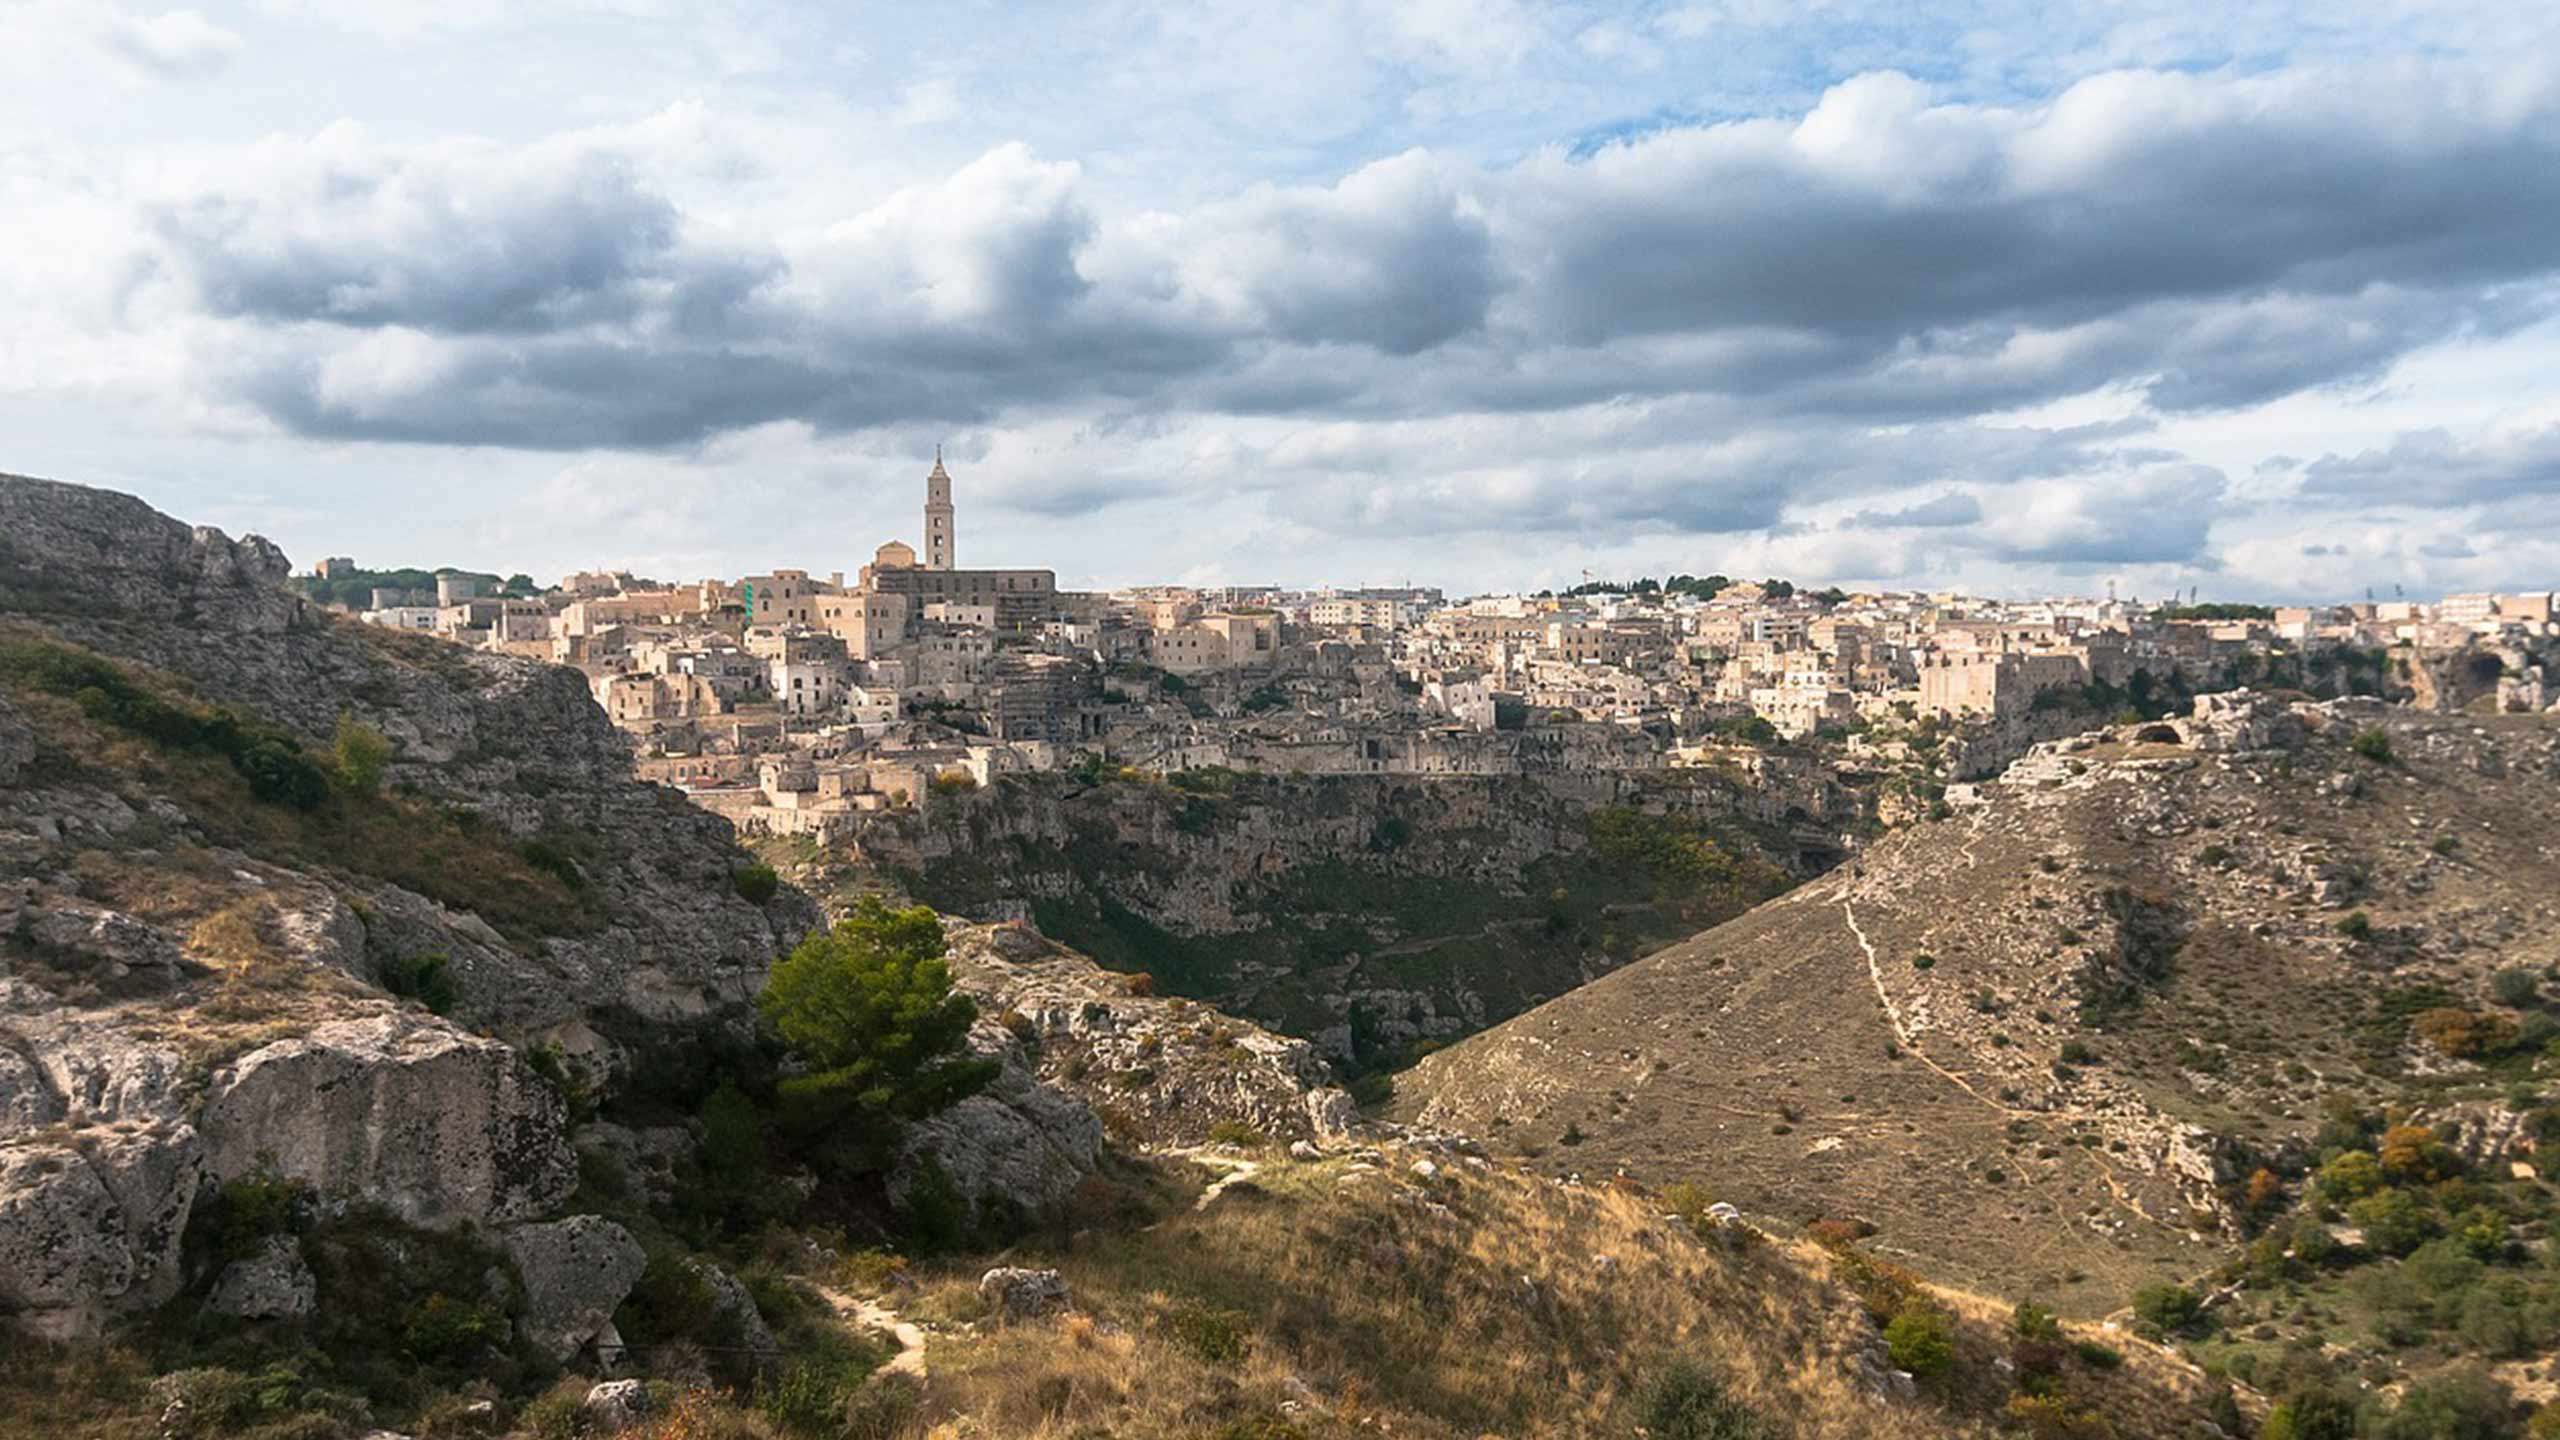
[{"x": 796, "y": 702}]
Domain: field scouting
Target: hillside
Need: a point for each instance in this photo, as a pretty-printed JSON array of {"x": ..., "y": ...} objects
[{"x": 2043, "y": 1044}]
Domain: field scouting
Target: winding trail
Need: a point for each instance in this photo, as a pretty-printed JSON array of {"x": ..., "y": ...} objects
[
  {"x": 1875, "y": 973},
  {"x": 1233, "y": 1168},
  {"x": 872, "y": 1315}
]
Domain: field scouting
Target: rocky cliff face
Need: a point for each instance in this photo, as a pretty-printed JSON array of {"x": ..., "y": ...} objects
[
  {"x": 192, "y": 978},
  {"x": 1363, "y": 913}
]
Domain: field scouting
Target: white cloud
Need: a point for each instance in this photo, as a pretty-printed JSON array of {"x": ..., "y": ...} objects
[{"x": 173, "y": 43}]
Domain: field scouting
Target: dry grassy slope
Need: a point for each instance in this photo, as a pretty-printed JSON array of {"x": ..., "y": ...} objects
[
  {"x": 1366, "y": 1297},
  {"x": 1755, "y": 1058}
]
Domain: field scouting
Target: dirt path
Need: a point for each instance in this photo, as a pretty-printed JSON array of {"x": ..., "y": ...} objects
[
  {"x": 1234, "y": 1168},
  {"x": 872, "y": 1315},
  {"x": 1875, "y": 973}
]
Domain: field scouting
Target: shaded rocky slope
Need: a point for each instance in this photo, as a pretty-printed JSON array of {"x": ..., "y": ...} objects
[
  {"x": 2040, "y": 1043},
  {"x": 1363, "y": 913},
  {"x": 197, "y": 932}
]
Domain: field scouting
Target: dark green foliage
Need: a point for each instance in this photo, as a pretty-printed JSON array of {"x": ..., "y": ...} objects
[
  {"x": 2356, "y": 926},
  {"x": 2374, "y": 745},
  {"x": 1921, "y": 1339},
  {"x": 2098, "y": 1356},
  {"x": 2034, "y": 1322},
  {"x": 353, "y": 588},
  {"x": 427, "y": 979},
  {"x": 2168, "y": 1311},
  {"x": 2149, "y": 933},
  {"x": 868, "y": 1008},
  {"x": 270, "y": 760},
  {"x": 1687, "y": 1402},
  {"x": 242, "y": 1214},
  {"x": 2216, "y": 610},
  {"x": 2516, "y": 987},
  {"x": 757, "y": 883},
  {"x": 2465, "y": 1403},
  {"x": 552, "y": 857}
]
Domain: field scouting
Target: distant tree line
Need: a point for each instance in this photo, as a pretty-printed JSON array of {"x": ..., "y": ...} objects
[
  {"x": 2215, "y": 611},
  {"x": 1702, "y": 587},
  {"x": 354, "y": 588}
]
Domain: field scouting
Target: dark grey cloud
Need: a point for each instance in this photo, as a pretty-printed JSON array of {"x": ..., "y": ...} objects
[
  {"x": 461, "y": 243},
  {"x": 2430, "y": 468}
]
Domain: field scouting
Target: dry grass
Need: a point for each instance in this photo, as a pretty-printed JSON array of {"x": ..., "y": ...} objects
[{"x": 1339, "y": 1300}]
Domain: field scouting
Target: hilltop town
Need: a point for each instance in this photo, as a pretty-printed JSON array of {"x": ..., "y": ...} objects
[{"x": 795, "y": 703}]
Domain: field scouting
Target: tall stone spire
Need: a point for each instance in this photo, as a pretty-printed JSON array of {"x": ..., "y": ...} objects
[{"x": 938, "y": 538}]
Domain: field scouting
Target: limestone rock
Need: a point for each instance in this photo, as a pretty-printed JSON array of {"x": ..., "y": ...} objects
[
  {"x": 90, "y": 1225},
  {"x": 1018, "y": 1140},
  {"x": 1019, "y": 1294},
  {"x": 614, "y": 1406},
  {"x": 273, "y": 1284},
  {"x": 576, "y": 1273},
  {"x": 735, "y": 1310},
  {"x": 439, "y": 1126}
]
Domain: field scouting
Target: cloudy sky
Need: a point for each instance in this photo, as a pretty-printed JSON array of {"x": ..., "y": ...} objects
[{"x": 2260, "y": 298}]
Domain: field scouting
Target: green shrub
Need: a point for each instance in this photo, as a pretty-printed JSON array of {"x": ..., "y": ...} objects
[
  {"x": 2166, "y": 1311},
  {"x": 427, "y": 979},
  {"x": 2034, "y": 1322},
  {"x": 1236, "y": 1132},
  {"x": 1922, "y": 1340},
  {"x": 2356, "y": 926},
  {"x": 1687, "y": 1402},
  {"x": 757, "y": 884},
  {"x": 2516, "y": 987},
  {"x": 443, "y": 1329},
  {"x": 359, "y": 754},
  {"x": 2374, "y": 744},
  {"x": 868, "y": 1008},
  {"x": 2097, "y": 1356},
  {"x": 1212, "y": 1334}
]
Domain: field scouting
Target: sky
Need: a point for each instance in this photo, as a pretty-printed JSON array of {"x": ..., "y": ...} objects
[{"x": 2261, "y": 299}]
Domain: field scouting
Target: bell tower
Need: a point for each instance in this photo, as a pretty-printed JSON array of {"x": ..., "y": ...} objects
[{"x": 937, "y": 515}]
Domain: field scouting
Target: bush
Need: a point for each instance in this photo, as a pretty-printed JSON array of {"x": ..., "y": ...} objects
[
  {"x": 2516, "y": 987},
  {"x": 2164, "y": 1311},
  {"x": 2392, "y": 1221},
  {"x": 2349, "y": 1176},
  {"x": 1687, "y": 1402},
  {"x": 2461, "y": 1034},
  {"x": 1238, "y": 1133},
  {"x": 2097, "y": 1356},
  {"x": 756, "y": 884},
  {"x": 2052, "y": 1417},
  {"x": 1922, "y": 1340},
  {"x": 2357, "y": 926},
  {"x": 2034, "y": 1322},
  {"x": 2374, "y": 744},
  {"x": 868, "y": 1008},
  {"x": 427, "y": 979},
  {"x": 1213, "y": 1335},
  {"x": 360, "y": 754}
]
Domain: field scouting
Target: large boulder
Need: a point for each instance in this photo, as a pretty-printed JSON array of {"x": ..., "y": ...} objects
[
  {"x": 272, "y": 1284},
  {"x": 400, "y": 1110},
  {"x": 90, "y": 1225},
  {"x": 576, "y": 1273},
  {"x": 1019, "y": 1294},
  {"x": 1019, "y": 1143}
]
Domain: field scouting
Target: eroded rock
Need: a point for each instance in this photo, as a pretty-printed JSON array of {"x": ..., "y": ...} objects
[
  {"x": 438, "y": 1126},
  {"x": 576, "y": 1273}
]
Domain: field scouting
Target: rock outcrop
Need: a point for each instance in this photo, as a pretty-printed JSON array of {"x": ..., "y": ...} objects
[
  {"x": 576, "y": 1273},
  {"x": 273, "y": 1284},
  {"x": 91, "y": 1224},
  {"x": 437, "y": 1126}
]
